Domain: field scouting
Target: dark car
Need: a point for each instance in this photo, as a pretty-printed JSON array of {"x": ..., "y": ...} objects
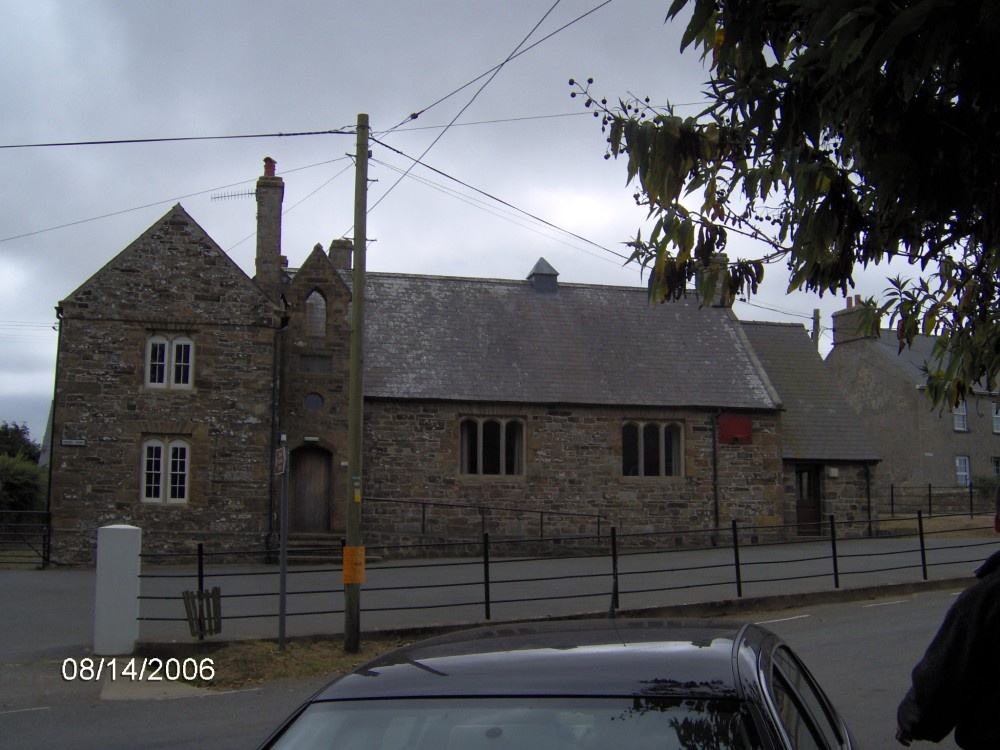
[{"x": 595, "y": 684}]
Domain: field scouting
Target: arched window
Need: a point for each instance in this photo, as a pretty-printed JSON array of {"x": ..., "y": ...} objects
[
  {"x": 316, "y": 314},
  {"x": 492, "y": 446},
  {"x": 651, "y": 449}
]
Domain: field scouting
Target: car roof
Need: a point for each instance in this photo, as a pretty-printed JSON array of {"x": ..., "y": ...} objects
[{"x": 580, "y": 658}]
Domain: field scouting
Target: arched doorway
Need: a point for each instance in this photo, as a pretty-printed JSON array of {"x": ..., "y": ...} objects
[{"x": 310, "y": 490}]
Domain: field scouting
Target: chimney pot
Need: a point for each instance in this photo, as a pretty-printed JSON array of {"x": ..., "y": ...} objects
[{"x": 269, "y": 165}]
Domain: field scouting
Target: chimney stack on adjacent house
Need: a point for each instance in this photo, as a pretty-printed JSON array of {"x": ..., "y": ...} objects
[
  {"x": 341, "y": 253},
  {"x": 270, "y": 261},
  {"x": 847, "y": 322},
  {"x": 722, "y": 298}
]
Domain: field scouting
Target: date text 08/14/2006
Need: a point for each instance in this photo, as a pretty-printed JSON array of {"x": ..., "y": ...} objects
[{"x": 91, "y": 669}]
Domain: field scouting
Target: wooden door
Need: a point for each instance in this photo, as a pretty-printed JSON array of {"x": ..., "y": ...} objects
[
  {"x": 310, "y": 494},
  {"x": 807, "y": 499}
]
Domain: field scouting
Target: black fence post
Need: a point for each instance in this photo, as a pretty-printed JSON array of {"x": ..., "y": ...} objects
[
  {"x": 423, "y": 518},
  {"x": 482, "y": 519},
  {"x": 486, "y": 572},
  {"x": 923, "y": 548},
  {"x": 201, "y": 566},
  {"x": 201, "y": 591},
  {"x": 892, "y": 500},
  {"x": 736, "y": 559},
  {"x": 833, "y": 546},
  {"x": 541, "y": 524},
  {"x": 46, "y": 541},
  {"x": 615, "y": 602}
]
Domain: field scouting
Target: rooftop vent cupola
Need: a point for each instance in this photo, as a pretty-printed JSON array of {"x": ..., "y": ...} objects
[
  {"x": 270, "y": 262},
  {"x": 544, "y": 278}
]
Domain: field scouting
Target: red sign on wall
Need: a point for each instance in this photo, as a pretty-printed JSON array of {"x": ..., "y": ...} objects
[{"x": 735, "y": 429}]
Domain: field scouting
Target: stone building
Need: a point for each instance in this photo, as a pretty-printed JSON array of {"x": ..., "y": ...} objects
[
  {"x": 163, "y": 409},
  {"x": 535, "y": 402},
  {"x": 828, "y": 460},
  {"x": 920, "y": 445}
]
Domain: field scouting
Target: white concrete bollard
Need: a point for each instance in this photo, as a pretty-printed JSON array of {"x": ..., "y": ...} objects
[{"x": 116, "y": 603}]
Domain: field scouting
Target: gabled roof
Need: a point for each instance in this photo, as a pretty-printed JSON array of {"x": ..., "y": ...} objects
[
  {"x": 818, "y": 423},
  {"x": 434, "y": 337},
  {"x": 911, "y": 360},
  {"x": 175, "y": 271}
]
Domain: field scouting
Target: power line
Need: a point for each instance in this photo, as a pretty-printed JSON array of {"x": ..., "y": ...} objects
[
  {"x": 161, "y": 202},
  {"x": 498, "y": 121},
  {"x": 511, "y": 216},
  {"x": 500, "y": 201},
  {"x": 440, "y": 135},
  {"x": 514, "y": 56},
  {"x": 175, "y": 139}
]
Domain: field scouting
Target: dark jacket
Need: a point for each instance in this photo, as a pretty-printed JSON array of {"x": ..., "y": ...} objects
[{"x": 957, "y": 683}]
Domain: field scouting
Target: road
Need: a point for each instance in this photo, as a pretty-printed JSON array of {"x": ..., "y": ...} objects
[{"x": 861, "y": 652}]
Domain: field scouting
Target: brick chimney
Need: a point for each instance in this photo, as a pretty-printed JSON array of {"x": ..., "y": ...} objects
[
  {"x": 846, "y": 322},
  {"x": 341, "y": 253},
  {"x": 270, "y": 261},
  {"x": 722, "y": 297}
]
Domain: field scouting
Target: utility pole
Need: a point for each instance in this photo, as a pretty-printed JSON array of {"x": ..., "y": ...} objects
[{"x": 354, "y": 551}]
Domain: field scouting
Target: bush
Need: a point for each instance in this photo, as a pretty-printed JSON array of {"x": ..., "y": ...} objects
[{"x": 22, "y": 484}]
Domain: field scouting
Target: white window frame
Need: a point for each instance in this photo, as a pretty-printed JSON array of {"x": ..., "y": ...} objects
[
  {"x": 960, "y": 415},
  {"x": 963, "y": 471},
  {"x": 996, "y": 418},
  {"x": 165, "y": 471},
  {"x": 169, "y": 362}
]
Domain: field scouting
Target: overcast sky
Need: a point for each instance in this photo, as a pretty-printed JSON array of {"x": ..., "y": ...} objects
[{"x": 99, "y": 70}]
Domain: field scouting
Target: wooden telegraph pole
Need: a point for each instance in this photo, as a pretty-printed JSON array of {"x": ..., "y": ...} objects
[{"x": 354, "y": 551}]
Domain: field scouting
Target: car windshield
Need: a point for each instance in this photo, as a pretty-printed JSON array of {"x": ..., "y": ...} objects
[{"x": 522, "y": 724}]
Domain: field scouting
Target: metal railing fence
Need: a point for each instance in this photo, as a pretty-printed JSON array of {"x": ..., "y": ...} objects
[
  {"x": 24, "y": 538},
  {"x": 615, "y": 572}
]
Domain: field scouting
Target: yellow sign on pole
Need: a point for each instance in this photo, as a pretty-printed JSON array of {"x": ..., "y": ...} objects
[{"x": 354, "y": 564}]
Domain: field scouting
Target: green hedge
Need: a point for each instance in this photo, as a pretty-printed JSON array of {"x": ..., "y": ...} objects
[{"x": 22, "y": 484}]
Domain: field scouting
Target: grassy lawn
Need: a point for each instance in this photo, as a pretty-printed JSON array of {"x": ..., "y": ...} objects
[{"x": 947, "y": 526}]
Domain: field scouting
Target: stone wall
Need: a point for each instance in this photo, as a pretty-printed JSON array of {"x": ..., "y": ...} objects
[
  {"x": 573, "y": 474},
  {"x": 103, "y": 409}
]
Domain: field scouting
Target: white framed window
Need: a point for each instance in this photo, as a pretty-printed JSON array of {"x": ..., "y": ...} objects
[
  {"x": 169, "y": 362},
  {"x": 963, "y": 473},
  {"x": 492, "y": 446},
  {"x": 996, "y": 418},
  {"x": 651, "y": 449},
  {"x": 996, "y": 467},
  {"x": 165, "y": 471},
  {"x": 961, "y": 417}
]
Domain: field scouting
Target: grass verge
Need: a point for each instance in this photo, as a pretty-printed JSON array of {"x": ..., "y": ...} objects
[{"x": 243, "y": 664}]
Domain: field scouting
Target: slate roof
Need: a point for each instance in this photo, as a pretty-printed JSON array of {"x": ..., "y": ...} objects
[
  {"x": 911, "y": 359},
  {"x": 818, "y": 423},
  {"x": 433, "y": 337}
]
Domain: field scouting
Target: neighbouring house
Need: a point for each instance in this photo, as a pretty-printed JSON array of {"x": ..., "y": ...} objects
[
  {"x": 828, "y": 460},
  {"x": 921, "y": 445},
  {"x": 537, "y": 403}
]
